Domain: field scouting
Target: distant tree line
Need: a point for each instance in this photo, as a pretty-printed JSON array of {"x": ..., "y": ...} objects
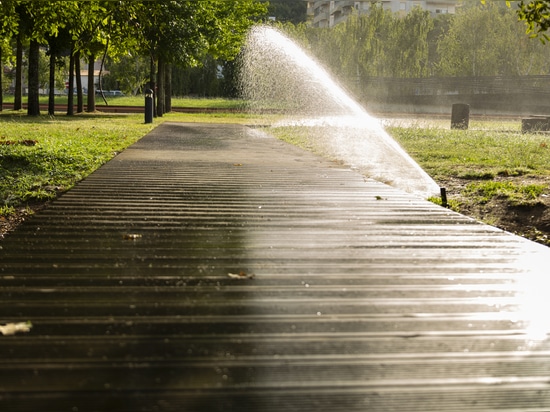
[
  {"x": 151, "y": 37},
  {"x": 188, "y": 47},
  {"x": 479, "y": 40}
]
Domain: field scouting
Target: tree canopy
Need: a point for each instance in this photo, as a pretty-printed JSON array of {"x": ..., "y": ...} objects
[
  {"x": 370, "y": 53},
  {"x": 168, "y": 32},
  {"x": 536, "y": 14}
]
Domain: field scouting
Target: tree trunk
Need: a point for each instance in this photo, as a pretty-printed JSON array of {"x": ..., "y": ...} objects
[
  {"x": 33, "y": 102},
  {"x": 80, "y": 97},
  {"x": 1, "y": 81},
  {"x": 152, "y": 84},
  {"x": 91, "y": 85},
  {"x": 51, "y": 94},
  {"x": 70, "y": 97},
  {"x": 168, "y": 89},
  {"x": 160, "y": 86},
  {"x": 18, "y": 98}
]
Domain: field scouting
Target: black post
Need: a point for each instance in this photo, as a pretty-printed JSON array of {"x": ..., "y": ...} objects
[
  {"x": 149, "y": 106},
  {"x": 460, "y": 116},
  {"x": 444, "y": 202}
]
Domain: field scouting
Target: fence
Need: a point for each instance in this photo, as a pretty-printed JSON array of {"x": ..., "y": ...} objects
[{"x": 486, "y": 95}]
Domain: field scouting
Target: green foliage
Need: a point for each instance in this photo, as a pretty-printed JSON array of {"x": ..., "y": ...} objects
[
  {"x": 179, "y": 32},
  {"x": 287, "y": 10},
  {"x": 130, "y": 72},
  {"x": 383, "y": 44},
  {"x": 472, "y": 47},
  {"x": 536, "y": 15}
]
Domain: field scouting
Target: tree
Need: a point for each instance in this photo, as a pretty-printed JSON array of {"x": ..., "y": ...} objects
[
  {"x": 536, "y": 14},
  {"x": 411, "y": 43},
  {"x": 41, "y": 21},
  {"x": 130, "y": 71},
  {"x": 183, "y": 32},
  {"x": 8, "y": 27},
  {"x": 292, "y": 11},
  {"x": 171, "y": 32},
  {"x": 469, "y": 48},
  {"x": 527, "y": 57},
  {"x": 472, "y": 48}
]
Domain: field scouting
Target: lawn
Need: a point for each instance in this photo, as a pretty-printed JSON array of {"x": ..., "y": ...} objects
[{"x": 43, "y": 156}]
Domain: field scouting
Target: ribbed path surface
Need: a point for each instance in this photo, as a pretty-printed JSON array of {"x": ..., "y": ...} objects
[{"x": 363, "y": 297}]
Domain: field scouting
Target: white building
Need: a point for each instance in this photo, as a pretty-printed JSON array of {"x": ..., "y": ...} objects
[{"x": 325, "y": 13}]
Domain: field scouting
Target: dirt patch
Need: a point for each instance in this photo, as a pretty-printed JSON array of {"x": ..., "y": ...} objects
[
  {"x": 531, "y": 220},
  {"x": 10, "y": 222}
]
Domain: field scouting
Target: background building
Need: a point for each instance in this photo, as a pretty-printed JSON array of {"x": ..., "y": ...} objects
[{"x": 324, "y": 13}]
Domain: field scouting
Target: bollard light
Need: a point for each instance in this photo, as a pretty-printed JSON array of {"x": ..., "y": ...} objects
[{"x": 149, "y": 106}]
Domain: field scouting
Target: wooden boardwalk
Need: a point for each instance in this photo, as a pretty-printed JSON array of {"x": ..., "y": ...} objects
[{"x": 212, "y": 268}]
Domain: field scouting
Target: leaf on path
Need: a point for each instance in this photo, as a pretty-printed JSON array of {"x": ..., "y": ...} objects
[
  {"x": 241, "y": 275},
  {"x": 13, "y": 328},
  {"x": 132, "y": 236}
]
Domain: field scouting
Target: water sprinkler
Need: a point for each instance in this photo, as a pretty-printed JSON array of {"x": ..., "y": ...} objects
[{"x": 443, "y": 197}]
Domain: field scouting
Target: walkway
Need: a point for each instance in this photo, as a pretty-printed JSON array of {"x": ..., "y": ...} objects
[{"x": 212, "y": 268}]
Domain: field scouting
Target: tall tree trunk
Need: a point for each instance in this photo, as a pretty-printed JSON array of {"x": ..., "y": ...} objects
[
  {"x": 18, "y": 98},
  {"x": 79, "y": 96},
  {"x": 70, "y": 97},
  {"x": 51, "y": 94},
  {"x": 91, "y": 85},
  {"x": 33, "y": 103},
  {"x": 1, "y": 81},
  {"x": 168, "y": 89},
  {"x": 160, "y": 86},
  {"x": 152, "y": 83}
]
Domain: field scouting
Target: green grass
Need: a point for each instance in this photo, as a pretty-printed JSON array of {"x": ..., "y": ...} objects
[
  {"x": 515, "y": 194},
  {"x": 475, "y": 154},
  {"x": 490, "y": 156},
  {"x": 40, "y": 157}
]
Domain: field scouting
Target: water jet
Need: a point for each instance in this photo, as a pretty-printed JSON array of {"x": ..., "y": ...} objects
[{"x": 278, "y": 75}]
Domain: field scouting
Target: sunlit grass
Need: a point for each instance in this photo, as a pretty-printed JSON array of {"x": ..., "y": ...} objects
[
  {"x": 475, "y": 153},
  {"x": 43, "y": 156},
  {"x": 516, "y": 194}
]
